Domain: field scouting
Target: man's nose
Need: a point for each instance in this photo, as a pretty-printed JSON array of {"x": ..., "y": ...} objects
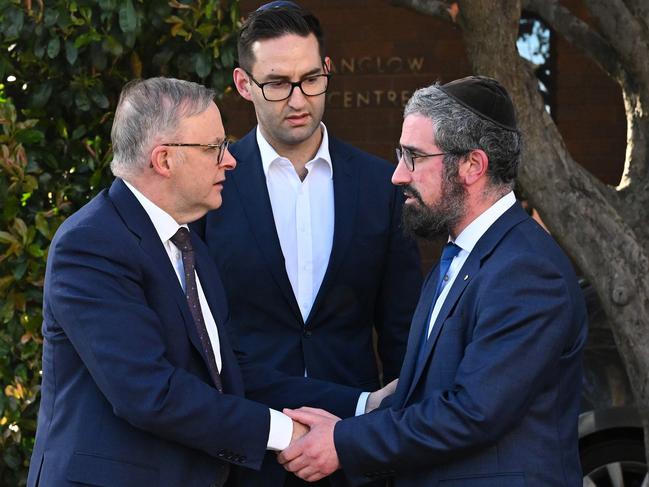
[
  {"x": 401, "y": 175},
  {"x": 229, "y": 162}
]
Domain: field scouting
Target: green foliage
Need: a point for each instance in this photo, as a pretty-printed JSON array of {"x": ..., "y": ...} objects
[{"x": 63, "y": 64}]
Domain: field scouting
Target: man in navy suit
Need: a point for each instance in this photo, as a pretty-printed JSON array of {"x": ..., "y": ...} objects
[
  {"x": 308, "y": 241},
  {"x": 141, "y": 386},
  {"x": 490, "y": 387}
]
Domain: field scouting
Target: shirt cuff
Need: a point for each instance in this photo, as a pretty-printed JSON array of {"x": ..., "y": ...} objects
[
  {"x": 362, "y": 402},
  {"x": 281, "y": 431}
]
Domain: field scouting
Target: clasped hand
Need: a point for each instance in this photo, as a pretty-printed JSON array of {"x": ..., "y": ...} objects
[{"x": 312, "y": 453}]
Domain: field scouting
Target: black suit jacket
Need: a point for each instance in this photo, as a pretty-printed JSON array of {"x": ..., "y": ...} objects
[{"x": 372, "y": 281}]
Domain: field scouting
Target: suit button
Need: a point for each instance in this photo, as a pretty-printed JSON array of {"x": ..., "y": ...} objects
[{"x": 307, "y": 333}]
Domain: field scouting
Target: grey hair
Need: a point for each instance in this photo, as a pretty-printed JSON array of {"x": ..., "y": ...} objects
[
  {"x": 458, "y": 130},
  {"x": 149, "y": 110}
]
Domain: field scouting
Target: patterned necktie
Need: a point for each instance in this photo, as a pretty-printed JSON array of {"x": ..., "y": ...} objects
[
  {"x": 449, "y": 252},
  {"x": 182, "y": 240}
]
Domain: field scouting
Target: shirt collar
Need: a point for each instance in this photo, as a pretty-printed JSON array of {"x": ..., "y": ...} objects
[
  {"x": 163, "y": 222},
  {"x": 478, "y": 227},
  {"x": 269, "y": 155}
]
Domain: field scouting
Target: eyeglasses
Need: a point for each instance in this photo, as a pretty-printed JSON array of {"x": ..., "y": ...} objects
[
  {"x": 281, "y": 90},
  {"x": 409, "y": 157},
  {"x": 222, "y": 147}
]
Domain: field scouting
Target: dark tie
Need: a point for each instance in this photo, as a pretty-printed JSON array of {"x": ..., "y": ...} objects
[
  {"x": 449, "y": 252},
  {"x": 182, "y": 240}
]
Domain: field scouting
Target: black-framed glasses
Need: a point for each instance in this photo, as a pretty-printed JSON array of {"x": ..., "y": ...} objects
[
  {"x": 222, "y": 147},
  {"x": 409, "y": 158},
  {"x": 279, "y": 90}
]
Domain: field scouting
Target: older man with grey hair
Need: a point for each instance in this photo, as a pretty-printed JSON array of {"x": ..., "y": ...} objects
[{"x": 141, "y": 386}]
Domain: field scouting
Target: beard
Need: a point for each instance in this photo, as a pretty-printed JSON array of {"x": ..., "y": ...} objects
[{"x": 437, "y": 219}]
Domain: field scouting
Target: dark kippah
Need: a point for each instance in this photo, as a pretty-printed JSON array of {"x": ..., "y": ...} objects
[
  {"x": 485, "y": 97},
  {"x": 278, "y": 4}
]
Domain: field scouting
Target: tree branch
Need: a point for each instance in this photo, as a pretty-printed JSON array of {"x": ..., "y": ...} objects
[
  {"x": 624, "y": 33},
  {"x": 436, "y": 8},
  {"x": 578, "y": 33},
  {"x": 640, "y": 10}
]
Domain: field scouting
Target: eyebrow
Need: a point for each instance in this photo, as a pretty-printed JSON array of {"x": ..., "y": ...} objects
[
  {"x": 278, "y": 77},
  {"x": 411, "y": 148}
]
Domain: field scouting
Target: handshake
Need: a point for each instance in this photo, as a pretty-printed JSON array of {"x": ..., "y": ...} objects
[{"x": 312, "y": 452}]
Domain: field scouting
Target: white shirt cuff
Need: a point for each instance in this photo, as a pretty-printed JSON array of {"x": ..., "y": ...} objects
[
  {"x": 362, "y": 402},
  {"x": 281, "y": 431}
]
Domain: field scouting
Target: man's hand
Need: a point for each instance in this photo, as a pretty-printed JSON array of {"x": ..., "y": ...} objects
[
  {"x": 313, "y": 456},
  {"x": 375, "y": 398}
]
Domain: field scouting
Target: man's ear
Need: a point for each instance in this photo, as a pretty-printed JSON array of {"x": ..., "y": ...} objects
[
  {"x": 474, "y": 167},
  {"x": 327, "y": 64},
  {"x": 242, "y": 83},
  {"x": 160, "y": 161}
]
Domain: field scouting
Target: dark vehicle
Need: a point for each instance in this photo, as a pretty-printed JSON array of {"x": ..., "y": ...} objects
[{"x": 610, "y": 432}]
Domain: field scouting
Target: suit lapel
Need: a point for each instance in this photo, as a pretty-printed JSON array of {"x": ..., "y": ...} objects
[
  {"x": 346, "y": 181},
  {"x": 140, "y": 224},
  {"x": 251, "y": 185},
  {"x": 215, "y": 296},
  {"x": 470, "y": 268},
  {"x": 483, "y": 248}
]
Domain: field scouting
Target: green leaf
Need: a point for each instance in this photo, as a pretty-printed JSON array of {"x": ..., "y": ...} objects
[
  {"x": 79, "y": 132},
  {"x": 41, "y": 225},
  {"x": 8, "y": 238},
  {"x": 127, "y": 17},
  {"x": 71, "y": 52},
  {"x": 41, "y": 95},
  {"x": 206, "y": 30},
  {"x": 99, "y": 99},
  {"x": 30, "y": 136},
  {"x": 50, "y": 17},
  {"x": 39, "y": 50},
  {"x": 112, "y": 46},
  {"x": 82, "y": 102},
  {"x": 53, "y": 47},
  {"x": 203, "y": 64},
  {"x": 19, "y": 271},
  {"x": 87, "y": 38},
  {"x": 95, "y": 178},
  {"x": 20, "y": 228},
  {"x": 13, "y": 23},
  {"x": 35, "y": 250}
]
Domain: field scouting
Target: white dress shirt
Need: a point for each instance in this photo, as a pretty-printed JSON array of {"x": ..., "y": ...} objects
[
  {"x": 304, "y": 219},
  {"x": 304, "y": 216},
  {"x": 466, "y": 241},
  {"x": 281, "y": 426}
]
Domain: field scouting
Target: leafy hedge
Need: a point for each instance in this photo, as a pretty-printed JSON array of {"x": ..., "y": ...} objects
[{"x": 63, "y": 63}]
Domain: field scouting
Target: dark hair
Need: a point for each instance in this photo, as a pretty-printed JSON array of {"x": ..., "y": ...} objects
[
  {"x": 458, "y": 130},
  {"x": 273, "y": 22}
]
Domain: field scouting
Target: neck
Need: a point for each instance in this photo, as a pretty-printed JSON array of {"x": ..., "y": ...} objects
[
  {"x": 477, "y": 202},
  {"x": 162, "y": 196},
  {"x": 298, "y": 154}
]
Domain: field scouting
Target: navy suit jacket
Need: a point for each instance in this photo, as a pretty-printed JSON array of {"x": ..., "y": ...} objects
[
  {"x": 496, "y": 399},
  {"x": 126, "y": 397},
  {"x": 373, "y": 278}
]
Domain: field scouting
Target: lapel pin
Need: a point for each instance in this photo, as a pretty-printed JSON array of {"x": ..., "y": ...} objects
[{"x": 466, "y": 277}]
